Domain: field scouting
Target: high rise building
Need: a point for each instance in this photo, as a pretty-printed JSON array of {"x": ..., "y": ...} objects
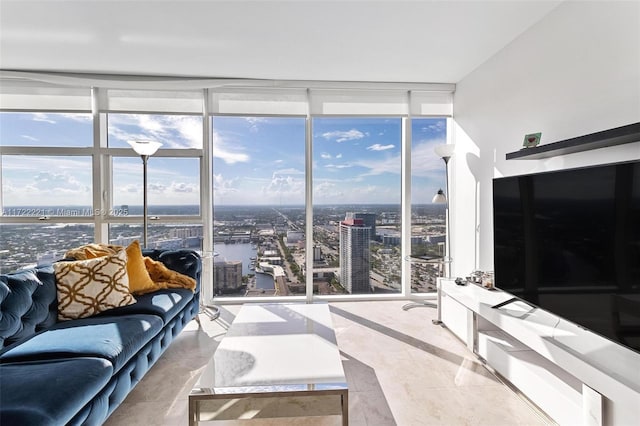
[
  {"x": 369, "y": 219},
  {"x": 227, "y": 275},
  {"x": 355, "y": 262},
  {"x": 317, "y": 253},
  {"x": 294, "y": 238}
]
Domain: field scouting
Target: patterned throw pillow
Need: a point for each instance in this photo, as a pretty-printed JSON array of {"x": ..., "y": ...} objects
[{"x": 88, "y": 287}]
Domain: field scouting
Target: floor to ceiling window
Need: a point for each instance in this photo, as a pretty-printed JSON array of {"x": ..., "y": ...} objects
[
  {"x": 427, "y": 218},
  {"x": 258, "y": 205},
  {"x": 284, "y": 191},
  {"x": 356, "y": 205}
]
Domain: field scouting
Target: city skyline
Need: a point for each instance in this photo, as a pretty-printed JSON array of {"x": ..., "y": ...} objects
[{"x": 346, "y": 259}]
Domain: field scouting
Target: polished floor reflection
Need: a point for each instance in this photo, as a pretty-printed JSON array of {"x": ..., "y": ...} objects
[{"x": 401, "y": 370}]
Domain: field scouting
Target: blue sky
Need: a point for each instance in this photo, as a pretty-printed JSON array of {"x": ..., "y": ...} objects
[
  {"x": 257, "y": 160},
  {"x": 355, "y": 160},
  {"x": 55, "y": 181}
]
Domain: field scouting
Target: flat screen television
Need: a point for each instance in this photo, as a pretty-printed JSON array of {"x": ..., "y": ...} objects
[{"x": 569, "y": 242}]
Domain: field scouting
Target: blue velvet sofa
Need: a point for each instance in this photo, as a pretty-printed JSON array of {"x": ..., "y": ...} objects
[{"x": 77, "y": 372}]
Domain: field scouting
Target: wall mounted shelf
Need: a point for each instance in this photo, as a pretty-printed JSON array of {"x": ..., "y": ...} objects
[{"x": 617, "y": 136}]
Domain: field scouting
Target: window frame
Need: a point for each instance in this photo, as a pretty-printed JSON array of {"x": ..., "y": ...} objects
[
  {"x": 102, "y": 155},
  {"x": 102, "y": 172}
]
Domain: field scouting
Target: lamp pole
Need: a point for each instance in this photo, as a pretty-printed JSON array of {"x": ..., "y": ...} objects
[
  {"x": 445, "y": 152},
  {"x": 145, "y": 149},
  {"x": 448, "y": 224},
  {"x": 145, "y": 218}
]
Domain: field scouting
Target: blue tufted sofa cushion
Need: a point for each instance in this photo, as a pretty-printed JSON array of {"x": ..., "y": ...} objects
[
  {"x": 115, "y": 339},
  {"x": 50, "y": 392},
  {"x": 28, "y": 304},
  {"x": 163, "y": 303}
]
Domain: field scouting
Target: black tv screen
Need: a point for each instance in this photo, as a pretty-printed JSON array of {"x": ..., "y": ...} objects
[{"x": 569, "y": 242}]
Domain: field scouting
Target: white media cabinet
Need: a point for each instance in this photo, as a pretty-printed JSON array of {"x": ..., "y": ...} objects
[{"x": 575, "y": 376}]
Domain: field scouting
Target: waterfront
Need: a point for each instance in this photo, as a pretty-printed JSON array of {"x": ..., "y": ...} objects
[
  {"x": 238, "y": 233},
  {"x": 243, "y": 252}
]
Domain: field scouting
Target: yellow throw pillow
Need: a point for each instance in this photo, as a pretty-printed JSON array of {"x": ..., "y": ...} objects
[
  {"x": 88, "y": 287},
  {"x": 139, "y": 280},
  {"x": 91, "y": 251}
]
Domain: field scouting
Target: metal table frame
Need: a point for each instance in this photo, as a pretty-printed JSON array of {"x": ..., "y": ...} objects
[{"x": 307, "y": 327}]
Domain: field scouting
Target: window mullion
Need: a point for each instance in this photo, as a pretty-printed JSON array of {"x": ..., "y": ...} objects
[
  {"x": 100, "y": 170},
  {"x": 206, "y": 201},
  {"x": 405, "y": 207},
  {"x": 309, "y": 205}
]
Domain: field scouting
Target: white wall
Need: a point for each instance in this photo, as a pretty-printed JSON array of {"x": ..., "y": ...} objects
[{"x": 575, "y": 72}]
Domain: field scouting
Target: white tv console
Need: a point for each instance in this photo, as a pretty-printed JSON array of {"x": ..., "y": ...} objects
[{"x": 575, "y": 376}]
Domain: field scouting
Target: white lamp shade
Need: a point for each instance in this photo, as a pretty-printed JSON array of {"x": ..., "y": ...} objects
[
  {"x": 444, "y": 151},
  {"x": 439, "y": 198},
  {"x": 145, "y": 147}
]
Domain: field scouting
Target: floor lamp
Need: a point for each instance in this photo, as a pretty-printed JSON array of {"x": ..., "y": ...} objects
[
  {"x": 445, "y": 152},
  {"x": 144, "y": 149}
]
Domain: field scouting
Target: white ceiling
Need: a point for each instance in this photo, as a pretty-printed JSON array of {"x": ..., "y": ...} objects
[{"x": 391, "y": 41}]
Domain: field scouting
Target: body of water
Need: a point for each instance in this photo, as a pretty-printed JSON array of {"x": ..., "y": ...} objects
[
  {"x": 264, "y": 281},
  {"x": 243, "y": 252}
]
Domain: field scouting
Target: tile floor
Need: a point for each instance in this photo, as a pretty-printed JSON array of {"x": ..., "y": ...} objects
[{"x": 401, "y": 369}]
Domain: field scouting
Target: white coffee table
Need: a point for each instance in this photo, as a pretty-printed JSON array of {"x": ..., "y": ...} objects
[{"x": 274, "y": 350}]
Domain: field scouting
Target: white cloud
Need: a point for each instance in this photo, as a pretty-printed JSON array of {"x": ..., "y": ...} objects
[
  {"x": 338, "y": 166},
  {"x": 285, "y": 186},
  {"x": 288, "y": 172},
  {"x": 254, "y": 122},
  {"x": 437, "y": 125},
  {"x": 45, "y": 181},
  {"x": 424, "y": 161},
  {"x": 43, "y": 117},
  {"x": 183, "y": 187},
  {"x": 327, "y": 191},
  {"x": 378, "y": 167},
  {"x": 31, "y": 138},
  {"x": 378, "y": 147},
  {"x": 172, "y": 131},
  {"x": 131, "y": 188},
  {"x": 150, "y": 123},
  {"x": 339, "y": 156},
  {"x": 343, "y": 136},
  {"x": 325, "y": 156},
  {"x": 222, "y": 186},
  {"x": 35, "y": 164},
  {"x": 230, "y": 157},
  {"x": 191, "y": 130},
  {"x": 221, "y": 151},
  {"x": 78, "y": 117},
  {"x": 155, "y": 187}
]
